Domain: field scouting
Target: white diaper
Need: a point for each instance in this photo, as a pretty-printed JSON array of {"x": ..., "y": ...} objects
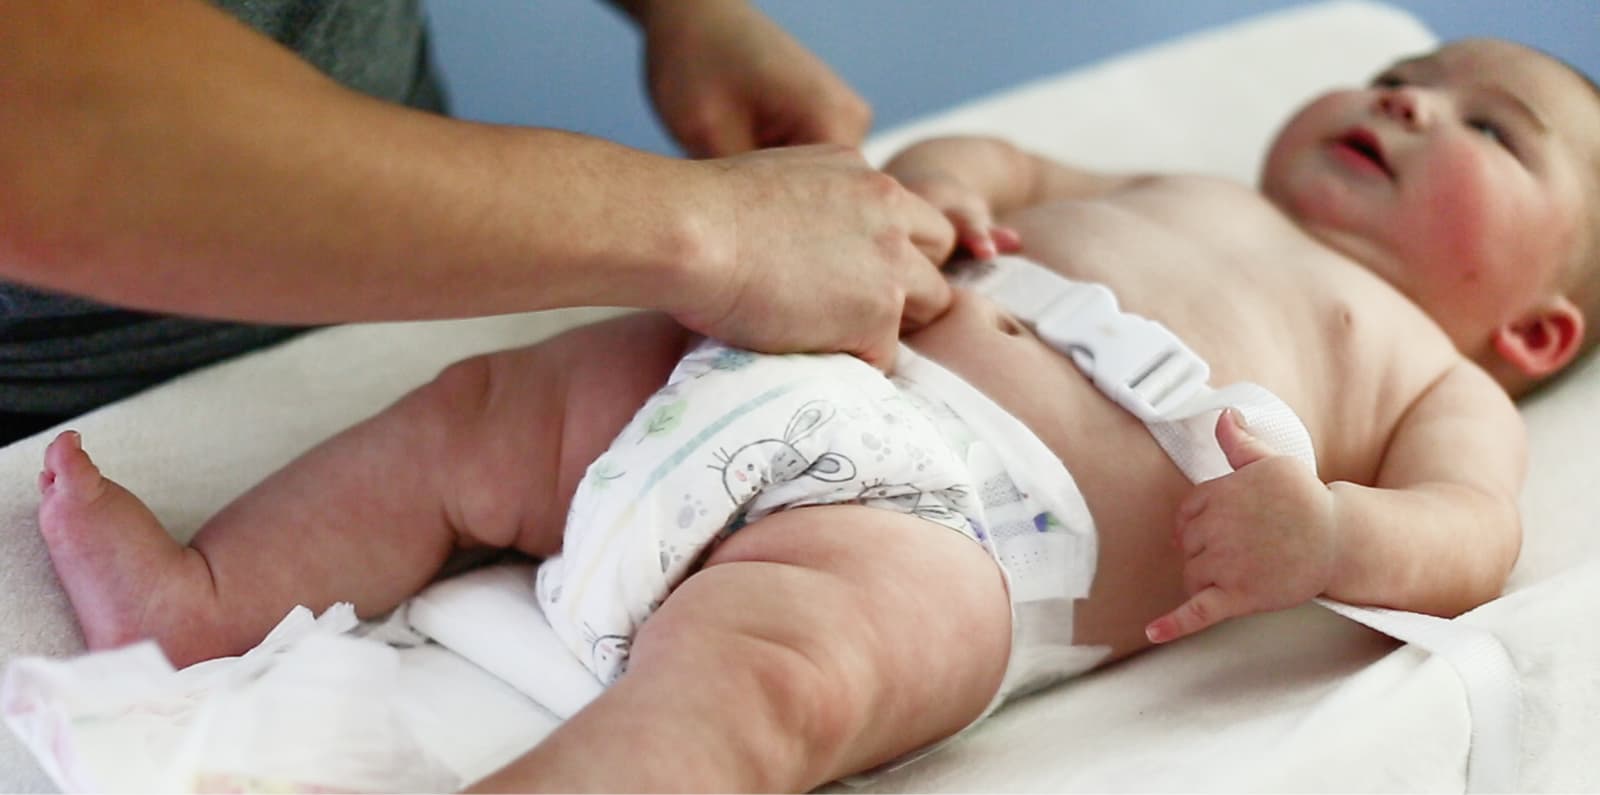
[{"x": 735, "y": 435}]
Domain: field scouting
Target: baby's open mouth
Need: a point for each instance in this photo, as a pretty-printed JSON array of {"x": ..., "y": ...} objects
[{"x": 1364, "y": 144}]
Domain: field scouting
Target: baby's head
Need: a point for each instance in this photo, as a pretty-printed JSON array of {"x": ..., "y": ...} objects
[{"x": 1469, "y": 178}]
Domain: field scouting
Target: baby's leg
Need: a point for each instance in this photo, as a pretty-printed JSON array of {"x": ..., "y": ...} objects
[
  {"x": 816, "y": 643},
  {"x": 485, "y": 454}
]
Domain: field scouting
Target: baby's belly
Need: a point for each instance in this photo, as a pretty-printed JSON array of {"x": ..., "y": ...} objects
[{"x": 1131, "y": 487}]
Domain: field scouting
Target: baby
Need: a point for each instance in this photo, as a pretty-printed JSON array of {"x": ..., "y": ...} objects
[{"x": 808, "y": 569}]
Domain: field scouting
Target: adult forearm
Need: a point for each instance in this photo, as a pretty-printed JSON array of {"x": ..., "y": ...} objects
[
  {"x": 162, "y": 156},
  {"x": 1433, "y": 548}
]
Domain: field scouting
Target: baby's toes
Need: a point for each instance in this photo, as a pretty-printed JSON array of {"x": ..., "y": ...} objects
[{"x": 68, "y": 470}]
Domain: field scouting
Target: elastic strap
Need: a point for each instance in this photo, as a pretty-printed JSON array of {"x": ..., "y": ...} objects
[{"x": 1493, "y": 687}]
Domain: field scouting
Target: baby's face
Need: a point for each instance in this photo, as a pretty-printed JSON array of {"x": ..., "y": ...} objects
[{"x": 1463, "y": 177}]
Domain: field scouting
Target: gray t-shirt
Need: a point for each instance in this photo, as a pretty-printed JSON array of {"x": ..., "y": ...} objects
[{"x": 61, "y": 355}]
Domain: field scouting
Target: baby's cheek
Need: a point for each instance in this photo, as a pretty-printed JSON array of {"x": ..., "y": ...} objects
[{"x": 1462, "y": 213}]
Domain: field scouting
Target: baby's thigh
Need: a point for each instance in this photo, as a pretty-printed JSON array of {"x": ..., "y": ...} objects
[
  {"x": 917, "y": 614},
  {"x": 535, "y": 417}
]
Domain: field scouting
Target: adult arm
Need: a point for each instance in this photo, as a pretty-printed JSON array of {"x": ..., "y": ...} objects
[
  {"x": 725, "y": 79},
  {"x": 1437, "y": 532},
  {"x": 160, "y": 155}
]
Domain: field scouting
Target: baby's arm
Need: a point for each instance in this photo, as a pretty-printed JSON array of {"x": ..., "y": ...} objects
[
  {"x": 1437, "y": 532},
  {"x": 973, "y": 180}
]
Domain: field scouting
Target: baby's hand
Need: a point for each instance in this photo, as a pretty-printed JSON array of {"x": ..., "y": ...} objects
[
  {"x": 967, "y": 211},
  {"x": 1262, "y": 538}
]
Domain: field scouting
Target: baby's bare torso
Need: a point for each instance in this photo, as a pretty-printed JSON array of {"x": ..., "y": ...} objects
[{"x": 1250, "y": 293}]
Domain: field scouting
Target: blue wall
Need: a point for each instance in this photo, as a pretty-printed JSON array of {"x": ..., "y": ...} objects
[{"x": 574, "y": 64}]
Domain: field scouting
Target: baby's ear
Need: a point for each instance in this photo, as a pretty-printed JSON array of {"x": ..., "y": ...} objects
[{"x": 1543, "y": 340}]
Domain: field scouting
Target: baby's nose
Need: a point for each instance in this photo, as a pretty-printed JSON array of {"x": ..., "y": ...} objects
[{"x": 1403, "y": 105}]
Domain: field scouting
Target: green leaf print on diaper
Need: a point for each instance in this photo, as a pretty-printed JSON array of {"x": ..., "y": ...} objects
[
  {"x": 602, "y": 472},
  {"x": 664, "y": 419}
]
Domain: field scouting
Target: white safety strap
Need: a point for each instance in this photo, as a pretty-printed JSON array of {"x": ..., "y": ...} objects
[
  {"x": 1494, "y": 690},
  {"x": 1138, "y": 363},
  {"x": 1144, "y": 368}
]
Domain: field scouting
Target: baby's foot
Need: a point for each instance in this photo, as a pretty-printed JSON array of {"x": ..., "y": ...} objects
[{"x": 113, "y": 556}]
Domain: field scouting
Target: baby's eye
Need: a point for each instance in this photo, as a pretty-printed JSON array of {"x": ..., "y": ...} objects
[
  {"x": 1490, "y": 130},
  {"x": 1387, "y": 80}
]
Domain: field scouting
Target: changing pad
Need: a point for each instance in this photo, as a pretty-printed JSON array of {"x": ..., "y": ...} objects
[{"x": 1297, "y": 700}]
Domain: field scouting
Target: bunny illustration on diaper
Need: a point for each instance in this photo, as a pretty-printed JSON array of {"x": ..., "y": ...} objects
[{"x": 766, "y": 461}]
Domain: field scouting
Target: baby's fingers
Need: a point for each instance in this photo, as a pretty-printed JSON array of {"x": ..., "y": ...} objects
[
  {"x": 1006, "y": 239},
  {"x": 973, "y": 232},
  {"x": 974, "y": 225},
  {"x": 1207, "y": 607},
  {"x": 987, "y": 240}
]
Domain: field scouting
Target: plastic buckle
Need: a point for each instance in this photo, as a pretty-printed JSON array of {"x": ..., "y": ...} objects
[{"x": 1135, "y": 361}]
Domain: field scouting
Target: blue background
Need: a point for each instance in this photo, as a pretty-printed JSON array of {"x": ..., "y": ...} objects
[{"x": 574, "y": 64}]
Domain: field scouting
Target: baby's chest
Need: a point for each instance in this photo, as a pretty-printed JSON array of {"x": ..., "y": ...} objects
[{"x": 1172, "y": 234}]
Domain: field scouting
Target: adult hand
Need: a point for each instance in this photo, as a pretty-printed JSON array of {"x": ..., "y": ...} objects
[
  {"x": 725, "y": 79},
  {"x": 1262, "y": 538},
  {"x": 822, "y": 253}
]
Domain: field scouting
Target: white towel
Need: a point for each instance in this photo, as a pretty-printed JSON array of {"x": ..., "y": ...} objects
[
  {"x": 491, "y": 617},
  {"x": 308, "y": 709}
]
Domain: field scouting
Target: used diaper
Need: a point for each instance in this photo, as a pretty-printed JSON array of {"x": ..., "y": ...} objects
[{"x": 736, "y": 435}]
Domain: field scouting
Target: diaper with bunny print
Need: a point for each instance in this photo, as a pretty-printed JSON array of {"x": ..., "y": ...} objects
[{"x": 734, "y": 436}]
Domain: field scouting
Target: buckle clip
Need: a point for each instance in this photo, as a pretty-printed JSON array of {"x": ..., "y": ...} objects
[{"x": 1137, "y": 362}]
